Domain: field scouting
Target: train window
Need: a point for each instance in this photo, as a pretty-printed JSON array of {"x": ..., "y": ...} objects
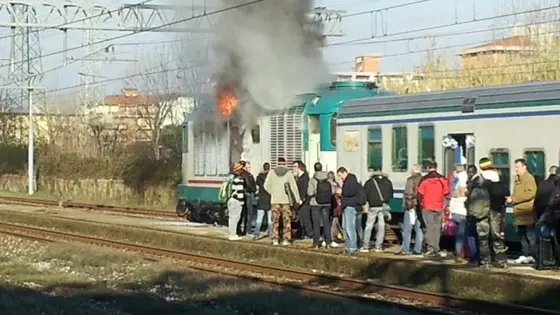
[
  {"x": 399, "y": 154},
  {"x": 536, "y": 163},
  {"x": 426, "y": 146},
  {"x": 500, "y": 159},
  {"x": 185, "y": 138},
  {"x": 375, "y": 149},
  {"x": 256, "y": 134},
  {"x": 332, "y": 126}
]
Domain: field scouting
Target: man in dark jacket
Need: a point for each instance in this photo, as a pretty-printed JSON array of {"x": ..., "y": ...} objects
[
  {"x": 351, "y": 191},
  {"x": 432, "y": 190},
  {"x": 486, "y": 202},
  {"x": 378, "y": 190},
  {"x": 544, "y": 190},
  {"x": 263, "y": 203},
  {"x": 304, "y": 211},
  {"x": 246, "y": 222}
]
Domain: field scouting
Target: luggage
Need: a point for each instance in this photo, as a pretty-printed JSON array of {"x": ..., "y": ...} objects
[{"x": 546, "y": 257}]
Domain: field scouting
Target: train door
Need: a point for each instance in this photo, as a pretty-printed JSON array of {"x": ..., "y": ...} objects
[
  {"x": 314, "y": 140},
  {"x": 458, "y": 148}
]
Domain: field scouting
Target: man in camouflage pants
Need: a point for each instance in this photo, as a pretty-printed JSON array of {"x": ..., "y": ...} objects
[{"x": 283, "y": 190}]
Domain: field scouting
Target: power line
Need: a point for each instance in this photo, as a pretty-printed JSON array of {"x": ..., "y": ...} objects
[
  {"x": 458, "y": 33},
  {"x": 385, "y": 9},
  {"x": 147, "y": 29},
  {"x": 88, "y": 17},
  {"x": 437, "y": 49},
  {"x": 442, "y": 26}
]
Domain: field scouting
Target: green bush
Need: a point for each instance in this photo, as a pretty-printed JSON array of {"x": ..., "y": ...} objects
[{"x": 13, "y": 158}]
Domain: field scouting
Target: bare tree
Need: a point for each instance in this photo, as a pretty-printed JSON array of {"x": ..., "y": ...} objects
[
  {"x": 8, "y": 120},
  {"x": 158, "y": 94}
]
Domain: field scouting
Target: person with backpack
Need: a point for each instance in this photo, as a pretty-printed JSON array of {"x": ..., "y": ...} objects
[
  {"x": 263, "y": 203},
  {"x": 378, "y": 190},
  {"x": 320, "y": 191},
  {"x": 281, "y": 185},
  {"x": 432, "y": 190},
  {"x": 486, "y": 203},
  {"x": 235, "y": 194},
  {"x": 411, "y": 218}
]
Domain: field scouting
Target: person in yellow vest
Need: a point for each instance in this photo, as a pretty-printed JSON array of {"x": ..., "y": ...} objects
[{"x": 522, "y": 199}]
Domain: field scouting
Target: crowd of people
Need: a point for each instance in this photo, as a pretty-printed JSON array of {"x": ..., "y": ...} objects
[{"x": 468, "y": 205}]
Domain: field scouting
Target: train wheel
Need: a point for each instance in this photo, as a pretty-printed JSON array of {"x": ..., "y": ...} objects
[{"x": 182, "y": 208}]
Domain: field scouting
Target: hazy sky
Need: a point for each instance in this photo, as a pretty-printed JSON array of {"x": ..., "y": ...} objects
[{"x": 393, "y": 30}]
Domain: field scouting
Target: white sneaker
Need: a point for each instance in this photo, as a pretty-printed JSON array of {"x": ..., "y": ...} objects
[
  {"x": 323, "y": 244},
  {"x": 378, "y": 250},
  {"x": 364, "y": 250},
  {"x": 274, "y": 243},
  {"x": 520, "y": 260},
  {"x": 235, "y": 238},
  {"x": 285, "y": 243},
  {"x": 529, "y": 260},
  {"x": 334, "y": 245}
]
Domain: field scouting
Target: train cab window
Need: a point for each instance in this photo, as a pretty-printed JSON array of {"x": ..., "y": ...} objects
[
  {"x": 375, "y": 149},
  {"x": 501, "y": 161},
  {"x": 256, "y": 134},
  {"x": 399, "y": 154},
  {"x": 426, "y": 146},
  {"x": 332, "y": 128},
  {"x": 184, "y": 138},
  {"x": 536, "y": 163}
]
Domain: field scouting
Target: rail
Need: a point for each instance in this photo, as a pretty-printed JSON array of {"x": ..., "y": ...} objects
[
  {"x": 313, "y": 280},
  {"x": 90, "y": 206}
]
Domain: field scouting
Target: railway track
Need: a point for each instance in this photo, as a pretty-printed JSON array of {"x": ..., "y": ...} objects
[
  {"x": 309, "y": 282},
  {"x": 90, "y": 206}
]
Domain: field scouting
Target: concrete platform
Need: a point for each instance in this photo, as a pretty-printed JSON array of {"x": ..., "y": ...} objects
[{"x": 221, "y": 232}]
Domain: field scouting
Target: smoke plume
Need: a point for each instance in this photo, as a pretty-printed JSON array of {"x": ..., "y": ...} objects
[{"x": 269, "y": 52}]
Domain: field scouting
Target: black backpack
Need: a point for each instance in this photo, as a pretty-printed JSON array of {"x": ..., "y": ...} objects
[
  {"x": 323, "y": 193},
  {"x": 478, "y": 200}
]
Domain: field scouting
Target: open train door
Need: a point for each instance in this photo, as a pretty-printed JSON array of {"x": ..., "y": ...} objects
[{"x": 458, "y": 148}]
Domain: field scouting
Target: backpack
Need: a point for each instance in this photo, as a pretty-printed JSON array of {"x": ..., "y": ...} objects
[
  {"x": 323, "y": 192},
  {"x": 225, "y": 190},
  {"x": 478, "y": 201}
]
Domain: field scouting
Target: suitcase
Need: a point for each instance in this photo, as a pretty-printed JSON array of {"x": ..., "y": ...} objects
[{"x": 546, "y": 254}]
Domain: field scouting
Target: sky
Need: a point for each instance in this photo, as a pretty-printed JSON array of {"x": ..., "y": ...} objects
[{"x": 395, "y": 33}]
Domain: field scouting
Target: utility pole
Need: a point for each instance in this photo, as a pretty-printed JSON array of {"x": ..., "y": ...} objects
[{"x": 30, "y": 145}]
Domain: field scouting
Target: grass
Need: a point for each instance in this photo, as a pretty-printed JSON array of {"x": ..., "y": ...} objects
[
  {"x": 146, "y": 287},
  {"x": 438, "y": 278}
]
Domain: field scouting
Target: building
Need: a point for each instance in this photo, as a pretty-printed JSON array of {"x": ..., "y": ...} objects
[
  {"x": 515, "y": 49},
  {"x": 367, "y": 68}
]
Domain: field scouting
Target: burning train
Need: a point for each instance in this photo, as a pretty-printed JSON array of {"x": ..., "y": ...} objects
[{"x": 216, "y": 135}]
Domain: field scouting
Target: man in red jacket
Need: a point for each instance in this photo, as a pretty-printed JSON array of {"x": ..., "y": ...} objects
[{"x": 432, "y": 190}]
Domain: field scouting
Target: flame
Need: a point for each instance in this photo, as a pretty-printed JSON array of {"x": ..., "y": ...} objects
[{"x": 227, "y": 102}]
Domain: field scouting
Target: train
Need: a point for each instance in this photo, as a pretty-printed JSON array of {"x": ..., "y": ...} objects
[{"x": 361, "y": 127}]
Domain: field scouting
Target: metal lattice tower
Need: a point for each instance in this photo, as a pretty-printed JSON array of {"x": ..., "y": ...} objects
[
  {"x": 91, "y": 92},
  {"x": 26, "y": 67}
]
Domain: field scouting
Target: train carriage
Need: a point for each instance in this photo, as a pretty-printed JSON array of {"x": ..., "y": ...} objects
[
  {"x": 306, "y": 131},
  {"x": 501, "y": 122}
]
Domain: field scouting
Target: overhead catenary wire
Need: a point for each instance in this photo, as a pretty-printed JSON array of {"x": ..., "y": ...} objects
[
  {"x": 443, "y": 26},
  {"x": 206, "y": 14}
]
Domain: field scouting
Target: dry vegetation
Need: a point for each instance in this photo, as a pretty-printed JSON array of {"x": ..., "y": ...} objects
[
  {"x": 78, "y": 279},
  {"x": 540, "y": 61}
]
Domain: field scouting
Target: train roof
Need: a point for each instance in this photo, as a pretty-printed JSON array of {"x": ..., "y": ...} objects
[{"x": 453, "y": 98}]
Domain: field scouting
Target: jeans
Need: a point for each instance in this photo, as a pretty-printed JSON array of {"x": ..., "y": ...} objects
[
  {"x": 259, "y": 220},
  {"x": 411, "y": 221},
  {"x": 432, "y": 218},
  {"x": 359, "y": 227},
  {"x": 375, "y": 215},
  {"x": 321, "y": 214},
  {"x": 528, "y": 239},
  {"x": 235, "y": 207},
  {"x": 460, "y": 231},
  {"x": 349, "y": 215},
  {"x": 304, "y": 216}
]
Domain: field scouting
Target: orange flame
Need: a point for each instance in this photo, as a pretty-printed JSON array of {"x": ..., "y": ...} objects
[{"x": 227, "y": 102}]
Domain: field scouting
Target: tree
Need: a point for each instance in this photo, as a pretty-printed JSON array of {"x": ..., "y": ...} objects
[{"x": 157, "y": 85}]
